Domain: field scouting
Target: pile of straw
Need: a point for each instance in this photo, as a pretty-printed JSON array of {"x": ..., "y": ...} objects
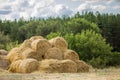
[{"x": 47, "y": 56}]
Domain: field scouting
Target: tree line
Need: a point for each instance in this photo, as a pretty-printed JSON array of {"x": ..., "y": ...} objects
[{"x": 94, "y": 36}]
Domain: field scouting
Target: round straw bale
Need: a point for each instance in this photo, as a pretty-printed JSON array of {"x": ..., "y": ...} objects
[
  {"x": 54, "y": 53},
  {"x": 13, "y": 55},
  {"x": 25, "y": 44},
  {"x": 68, "y": 66},
  {"x": 40, "y": 46},
  {"x": 29, "y": 53},
  {"x": 14, "y": 67},
  {"x": 4, "y": 63},
  {"x": 36, "y": 37},
  {"x": 71, "y": 54},
  {"x": 60, "y": 43},
  {"x": 3, "y": 52},
  {"x": 50, "y": 66},
  {"x": 82, "y": 66},
  {"x": 28, "y": 65}
]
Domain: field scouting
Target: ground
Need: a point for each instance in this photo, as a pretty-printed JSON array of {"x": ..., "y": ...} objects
[{"x": 94, "y": 74}]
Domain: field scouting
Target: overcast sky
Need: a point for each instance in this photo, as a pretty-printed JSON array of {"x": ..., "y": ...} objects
[{"x": 14, "y": 9}]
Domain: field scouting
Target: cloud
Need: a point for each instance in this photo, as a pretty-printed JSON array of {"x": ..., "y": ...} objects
[
  {"x": 84, "y": 7},
  {"x": 4, "y": 12},
  {"x": 61, "y": 9},
  {"x": 97, "y": 5},
  {"x": 12, "y": 9}
]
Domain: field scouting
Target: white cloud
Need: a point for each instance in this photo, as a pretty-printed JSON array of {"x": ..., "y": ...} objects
[
  {"x": 12, "y": 9},
  {"x": 83, "y": 6},
  {"x": 98, "y": 7},
  {"x": 116, "y": 7},
  {"x": 61, "y": 9}
]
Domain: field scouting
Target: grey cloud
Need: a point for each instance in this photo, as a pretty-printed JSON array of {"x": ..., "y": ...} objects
[
  {"x": 7, "y": 7},
  {"x": 24, "y": 3},
  {"x": 64, "y": 10},
  {"x": 4, "y": 12}
]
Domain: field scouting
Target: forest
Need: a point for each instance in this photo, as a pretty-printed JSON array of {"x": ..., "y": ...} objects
[{"x": 94, "y": 36}]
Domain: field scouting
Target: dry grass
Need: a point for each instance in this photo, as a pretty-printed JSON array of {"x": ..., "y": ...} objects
[{"x": 94, "y": 74}]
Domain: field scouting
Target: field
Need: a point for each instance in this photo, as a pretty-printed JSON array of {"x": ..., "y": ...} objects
[{"x": 94, "y": 74}]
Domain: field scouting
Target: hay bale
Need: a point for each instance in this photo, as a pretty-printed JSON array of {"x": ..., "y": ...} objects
[
  {"x": 3, "y": 71},
  {"x": 14, "y": 67},
  {"x": 82, "y": 66},
  {"x": 54, "y": 53},
  {"x": 4, "y": 63},
  {"x": 71, "y": 54},
  {"x": 40, "y": 46},
  {"x": 35, "y": 38},
  {"x": 57, "y": 66},
  {"x": 28, "y": 65},
  {"x": 3, "y": 52},
  {"x": 50, "y": 66},
  {"x": 24, "y": 45},
  {"x": 28, "y": 53},
  {"x": 13, "y": 55},
  {"x": 60, "y": 43},
  {"x": 68, "y": 66}
]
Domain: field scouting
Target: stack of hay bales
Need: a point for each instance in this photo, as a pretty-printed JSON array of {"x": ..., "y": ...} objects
[{"x": 47, "y": 56}]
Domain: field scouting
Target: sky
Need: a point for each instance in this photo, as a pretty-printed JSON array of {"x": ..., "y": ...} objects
[{"x": 15, "y": 9}]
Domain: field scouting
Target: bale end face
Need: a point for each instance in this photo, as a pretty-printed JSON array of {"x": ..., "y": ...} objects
[
  {"x": 69, "y": 66},
  {"x": 82, "y": 66},
  {"x": 54, "y": 53},
  {"x": 28, "y": 65},
  {"x": 60, "y": 43},
  {"x": 70, "y": 54}
]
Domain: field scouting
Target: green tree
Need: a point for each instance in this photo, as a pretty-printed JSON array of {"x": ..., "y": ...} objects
[{"x": 90, "y": 46}]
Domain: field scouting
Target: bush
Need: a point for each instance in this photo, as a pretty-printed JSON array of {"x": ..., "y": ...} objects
[
  {"x": 91, "y": 47},
  {"x": 52, "y": 35},
  {"x": 99, "y": 62},
  {"x": 11, "y": 45},
  {"x": 114, "y": 59},
  {"x": 4, "y": 40}
]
